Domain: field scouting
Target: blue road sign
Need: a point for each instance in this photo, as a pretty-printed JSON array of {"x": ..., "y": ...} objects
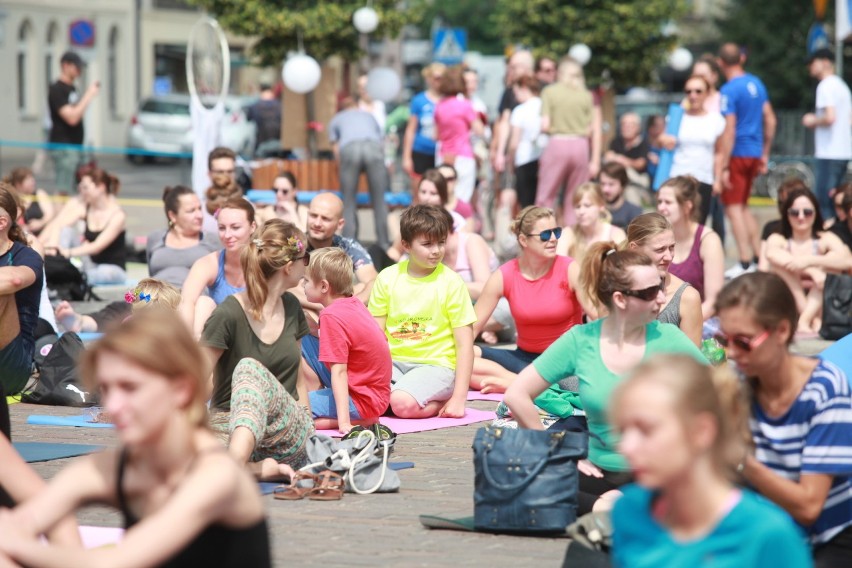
[
  {"x": 81, "y": 33},
  {"x": 449, "y": 45}
]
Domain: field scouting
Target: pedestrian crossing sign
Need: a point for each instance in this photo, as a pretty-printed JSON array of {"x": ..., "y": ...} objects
[{"x": 449, "y": 45}]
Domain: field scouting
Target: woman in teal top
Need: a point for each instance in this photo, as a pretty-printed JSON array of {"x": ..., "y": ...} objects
[
  {"x": 628, "y": 286},
  {"x": 683, "y": 430}
]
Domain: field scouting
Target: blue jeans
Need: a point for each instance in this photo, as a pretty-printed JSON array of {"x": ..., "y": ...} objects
[
  {"x": 513, "y": 360},
  {"x": 829, "y": 174},
  {"x": 323, "y": 405},
  {"x": 310, "y": 353}
]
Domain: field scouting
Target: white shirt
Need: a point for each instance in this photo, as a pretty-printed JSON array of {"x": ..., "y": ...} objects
[
  {"x": 527, "y": 117},
  {"x": 834, "y": 142},
  {"x": 696, "y": 142}
]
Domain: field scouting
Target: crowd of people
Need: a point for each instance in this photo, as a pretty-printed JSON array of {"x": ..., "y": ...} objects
[{"x": 221, "y": 366}]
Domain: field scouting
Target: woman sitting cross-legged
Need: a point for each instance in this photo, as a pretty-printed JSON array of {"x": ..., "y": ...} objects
[
  {"x": 683, "y": 429},
  {"x": 255, "y": 340},
  {"x": 803, "y": 253},
  {"x": 541, "y": 288},
  {"x": 599, "y": 353},
  {"x": 185, "y": 501}
]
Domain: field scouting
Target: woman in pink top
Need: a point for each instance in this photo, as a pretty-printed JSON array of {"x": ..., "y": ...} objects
[
  {"x": 455, "y": 119},
  {"x": 541, "y": 289}
]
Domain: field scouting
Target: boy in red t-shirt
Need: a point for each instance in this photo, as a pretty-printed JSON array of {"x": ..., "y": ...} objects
[{"x": 351, "y": 344}]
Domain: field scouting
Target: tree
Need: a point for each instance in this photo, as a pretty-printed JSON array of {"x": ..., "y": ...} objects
[
  {"x": 774, "y": 35},
  {"x": 326, "y": 27},
  {"x": 626, "y": 36}
]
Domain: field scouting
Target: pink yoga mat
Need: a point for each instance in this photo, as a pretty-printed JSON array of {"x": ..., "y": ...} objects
[
  {"x": 409, "y": 425},
  {"x": 93, "y": 537},
  {"x": 477, "y": 395}
]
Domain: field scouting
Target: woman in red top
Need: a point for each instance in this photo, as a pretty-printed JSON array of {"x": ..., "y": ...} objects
[{"x": 541, "y": 289}]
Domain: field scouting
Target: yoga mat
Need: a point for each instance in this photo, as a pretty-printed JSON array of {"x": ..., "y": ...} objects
[
  {"x": 267, "y": 487},
  {"x": 80, "y": 421},
  {"x": 493, "y": 396},
  {"x": 95, "y": 537},
  {"x": 840, "y": 353},
  {"x": 411, "y": 425},
  {"x": 667, "y": 156},
  {"x": 466, "y": 524},
  {"x": 45, "y": 451}
]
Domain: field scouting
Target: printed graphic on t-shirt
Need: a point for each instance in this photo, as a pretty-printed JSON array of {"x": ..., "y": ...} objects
[{"x": 412, "y": 329}]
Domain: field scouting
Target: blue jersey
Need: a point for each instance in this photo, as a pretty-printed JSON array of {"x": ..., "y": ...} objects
[
  {"x": 424, "y": 109},
  {"x": 813, "y": 437},
  {"x": 744, "y": 97}
]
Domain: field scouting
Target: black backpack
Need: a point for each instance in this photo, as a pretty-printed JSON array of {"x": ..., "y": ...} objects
[
  {"x": 65, "y": 281},
  {"x": 58, "y": 382}
]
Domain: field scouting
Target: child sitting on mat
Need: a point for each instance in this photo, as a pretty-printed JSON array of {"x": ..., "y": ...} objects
[
  {"x": 427, "y": 315},
  {"x": 352, "y": 347}
]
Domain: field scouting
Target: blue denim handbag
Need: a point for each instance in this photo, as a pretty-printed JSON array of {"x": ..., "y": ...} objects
[{"x": 526, "y": 481}]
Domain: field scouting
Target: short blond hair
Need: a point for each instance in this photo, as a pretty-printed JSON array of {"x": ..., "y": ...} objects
[
  {"x": 153, "y": 292},
  {"x": 333, "y": 265}
]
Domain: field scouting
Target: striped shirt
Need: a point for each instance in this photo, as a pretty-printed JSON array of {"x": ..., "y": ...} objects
[{"x": 813, "y": 437}]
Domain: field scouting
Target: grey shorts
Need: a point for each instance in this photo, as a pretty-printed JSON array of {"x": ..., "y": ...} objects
[{"x": 426, "y": 383}]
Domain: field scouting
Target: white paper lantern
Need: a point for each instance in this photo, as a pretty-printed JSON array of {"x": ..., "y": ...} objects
[
  {"x": 366, "y": 20},
  {"x": 301, "y": 73},
  {"x": 383, "y": 84},
  {"x": 580, "y": 52},
  {"x": 680, "y": 59}
]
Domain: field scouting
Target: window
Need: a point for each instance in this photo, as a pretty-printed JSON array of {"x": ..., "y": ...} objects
[
  {"x": 50, "y": 59},
  {"x": 113, "y": 80},
  {"x": 24, "y": 64}
]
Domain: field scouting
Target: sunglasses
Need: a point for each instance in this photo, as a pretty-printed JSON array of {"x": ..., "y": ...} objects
[
  {"x": 284, "y": 190},
  {"x": 741, "y": 342},
  {"x": 694, "y": 91},
  {"x": 306, "y": 258},
  {"x": 546, "y": 234},
  {"x": 646, "y": 294},
  {"x": 800, "y": 212}
]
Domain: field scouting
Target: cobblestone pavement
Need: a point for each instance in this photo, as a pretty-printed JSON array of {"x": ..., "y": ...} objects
[{"x": 359, "y": 530}]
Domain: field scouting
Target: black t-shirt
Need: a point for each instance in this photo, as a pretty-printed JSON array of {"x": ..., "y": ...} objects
[
  {"x": 508, "y": 101},
  {"x": 267, "y": 115},
  {"x": 59, "y": 95},
  {"x": 770, "y": 228},
  {"x": 639, "y": 151},
  {"x": 26, "y": 300},
  {"x": 842, "y": 231}
]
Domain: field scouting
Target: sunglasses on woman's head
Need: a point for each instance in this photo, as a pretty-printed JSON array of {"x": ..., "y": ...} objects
[
  {"x": 741, "y": 342},
  {"x": 799, "y": 212},
  {"x": 646, "y": 294},
  {"x": 547, "y": 233}
]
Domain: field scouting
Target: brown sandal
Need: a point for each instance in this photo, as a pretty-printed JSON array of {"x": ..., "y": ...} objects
[
  {"x": 329, "y": 487},
  {"x": 293, "y": 492}
]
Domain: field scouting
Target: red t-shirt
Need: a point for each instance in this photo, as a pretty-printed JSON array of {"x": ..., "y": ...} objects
[
  {"x": 543, "y": 309},
  {"x": 349, "y": 334}
]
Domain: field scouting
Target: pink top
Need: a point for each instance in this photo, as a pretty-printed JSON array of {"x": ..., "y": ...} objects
[
  {"x": 543, "y": 309},
  {"x": 454, "y": 117},
  {"x": 464, "y": 209},
  {"x": 350, "y": 335}
]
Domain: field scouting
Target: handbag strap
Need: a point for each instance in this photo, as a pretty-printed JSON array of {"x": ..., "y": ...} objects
[
  {"x": 363, "y": 455},
  {"x": 555, "y": 440}
]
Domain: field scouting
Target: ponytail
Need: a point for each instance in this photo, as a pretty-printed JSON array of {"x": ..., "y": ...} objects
[
  {"x": 270, "y": 249},
  {"x": 605, "y": 270},
  {"x": 735, "y": 438},
  {"x": 9, "y": 204}
]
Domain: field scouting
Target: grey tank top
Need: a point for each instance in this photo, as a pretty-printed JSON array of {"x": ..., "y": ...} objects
[{"x": 671, "y": 313}]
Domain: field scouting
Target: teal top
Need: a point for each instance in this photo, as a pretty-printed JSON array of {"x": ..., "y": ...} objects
[
  {"x": 754, "y": 532},
  {"x": 578, "y": 352}
]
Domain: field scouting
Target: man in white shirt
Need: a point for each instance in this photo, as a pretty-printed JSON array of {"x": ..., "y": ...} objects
[{"x": 831, "y": 124}]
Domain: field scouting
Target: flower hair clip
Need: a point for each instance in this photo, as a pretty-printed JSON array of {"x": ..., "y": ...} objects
[
  {"x": 295, "y": 244},
  {"x": 258, "y": 243},
  {"x": 131, "y": 297}
]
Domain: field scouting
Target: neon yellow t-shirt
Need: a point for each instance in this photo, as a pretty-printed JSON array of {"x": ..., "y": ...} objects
[{"x": 421, "y": 313}]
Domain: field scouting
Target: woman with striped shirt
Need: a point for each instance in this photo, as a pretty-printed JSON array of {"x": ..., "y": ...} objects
[{"x": 801, "y": 419}]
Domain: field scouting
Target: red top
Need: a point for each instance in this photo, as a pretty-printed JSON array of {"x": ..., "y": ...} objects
[
  {"x": 350, "y": 335},
  {"x": 543, "y": 309}
]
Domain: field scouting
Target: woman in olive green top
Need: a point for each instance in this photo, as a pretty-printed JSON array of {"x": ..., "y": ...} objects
[
  {"x": 599, "y": 354},
  {"x": 573, "y": 153}
]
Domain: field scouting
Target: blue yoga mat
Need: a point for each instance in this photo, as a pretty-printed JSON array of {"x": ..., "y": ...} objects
[
  {"x": 840, "y": 353},
  {"x": 80, "y": 421},
  {"x": 43, "y": 451},
  {"x": 267, "y": 487},
  {"x": 667, "y": 156}
]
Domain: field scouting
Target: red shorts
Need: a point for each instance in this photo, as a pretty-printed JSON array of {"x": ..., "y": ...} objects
[{"x": 742, "y": 171}]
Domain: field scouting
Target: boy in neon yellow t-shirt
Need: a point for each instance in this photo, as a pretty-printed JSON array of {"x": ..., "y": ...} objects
[{"x": 425, "y": 309}]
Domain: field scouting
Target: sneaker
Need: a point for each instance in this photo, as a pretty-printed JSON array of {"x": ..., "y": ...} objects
[
  {"x": 384, "y": 435},
  {"x": 738, "y": 270}
]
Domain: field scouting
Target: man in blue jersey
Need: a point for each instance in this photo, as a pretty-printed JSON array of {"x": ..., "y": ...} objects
[{"x": 749, "y": 130}]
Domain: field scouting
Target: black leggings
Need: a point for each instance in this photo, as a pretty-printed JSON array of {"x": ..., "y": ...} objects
[
  {"x": 836, "y": 552},
  {"x": 5, "y": 430}
]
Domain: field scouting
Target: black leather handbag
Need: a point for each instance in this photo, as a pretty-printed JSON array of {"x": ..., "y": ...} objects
[
  {"x": 526, "y": 481},
  {"x": 836, "y": 307}
]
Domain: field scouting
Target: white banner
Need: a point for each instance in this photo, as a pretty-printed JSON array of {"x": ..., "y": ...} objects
[{"x": 842, "y": 26}]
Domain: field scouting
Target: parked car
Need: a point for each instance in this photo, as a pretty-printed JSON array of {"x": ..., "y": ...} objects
[{"x": 163, "y": 124}]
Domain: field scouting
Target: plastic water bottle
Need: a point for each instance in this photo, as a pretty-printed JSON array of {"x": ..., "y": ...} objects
[{"x": 714, "y": 352}]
